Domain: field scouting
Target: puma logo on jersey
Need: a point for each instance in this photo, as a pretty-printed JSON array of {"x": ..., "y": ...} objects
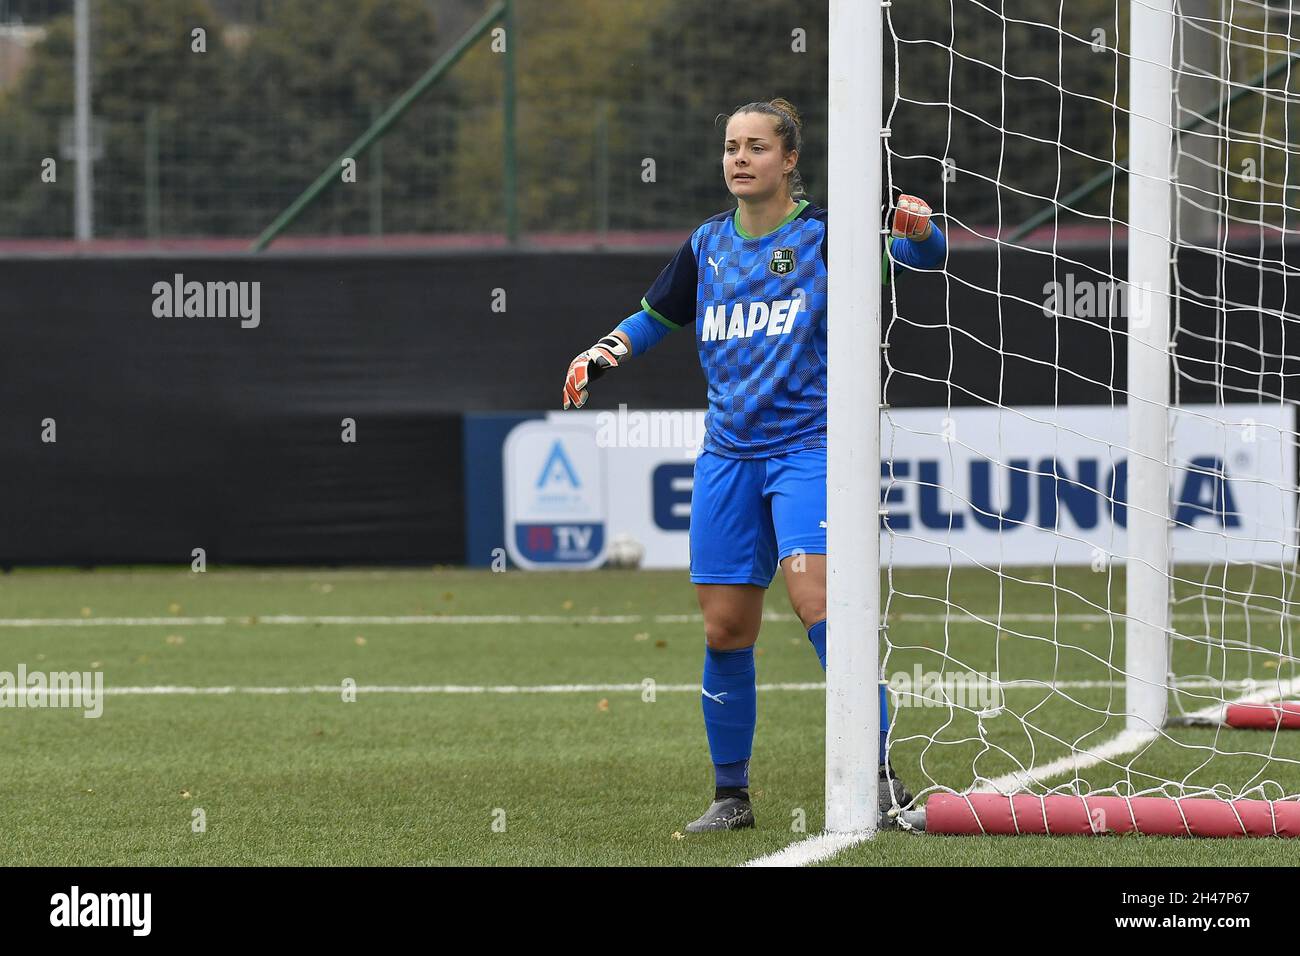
[
  {"x": 745, "y": 322},
  {"x": 717, "y": 266}
]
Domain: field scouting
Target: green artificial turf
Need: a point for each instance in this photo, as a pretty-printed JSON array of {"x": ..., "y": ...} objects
[{"x": 245, "y": 719}]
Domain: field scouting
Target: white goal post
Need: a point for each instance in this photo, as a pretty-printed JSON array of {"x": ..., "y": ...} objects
[
  {"x": 1150, "y": 123},
  {"x": 1062, "y": 524},
  {"x": 853, "y": 438}
]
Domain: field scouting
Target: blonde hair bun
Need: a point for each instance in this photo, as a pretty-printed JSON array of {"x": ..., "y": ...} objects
[{"x": 785, "y": 106}]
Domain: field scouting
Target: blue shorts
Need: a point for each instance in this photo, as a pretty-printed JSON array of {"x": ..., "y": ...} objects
[{"x": 748, "y": 514}]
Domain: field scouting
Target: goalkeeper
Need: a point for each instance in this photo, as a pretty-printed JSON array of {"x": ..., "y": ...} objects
[{"x": 752, "y": 283}]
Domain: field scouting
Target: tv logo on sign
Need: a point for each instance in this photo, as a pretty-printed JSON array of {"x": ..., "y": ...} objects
[
  {"x": 555, "y": 496},
  {"x": 559, "y": 540}
]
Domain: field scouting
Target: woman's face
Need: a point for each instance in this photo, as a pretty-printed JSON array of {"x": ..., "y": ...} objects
[{"x": 753, "y": 162}]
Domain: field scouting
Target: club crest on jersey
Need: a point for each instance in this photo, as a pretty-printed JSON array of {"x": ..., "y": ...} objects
[{"x": 782, "y": 261}]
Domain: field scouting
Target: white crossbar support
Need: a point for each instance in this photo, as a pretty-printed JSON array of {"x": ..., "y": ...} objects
[
  {"x": 1149, "y": 253},
  {"x": 853, "y": 417}
]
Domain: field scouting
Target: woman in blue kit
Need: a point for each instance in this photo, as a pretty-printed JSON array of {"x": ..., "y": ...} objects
[{"x": 752, "y": 283}]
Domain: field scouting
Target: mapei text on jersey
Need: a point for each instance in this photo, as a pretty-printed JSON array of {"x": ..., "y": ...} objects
[{"x": 775, "y": 319}]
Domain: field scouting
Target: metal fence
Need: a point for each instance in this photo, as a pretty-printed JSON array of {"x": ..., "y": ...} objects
[{"x": 616, "y": 124}]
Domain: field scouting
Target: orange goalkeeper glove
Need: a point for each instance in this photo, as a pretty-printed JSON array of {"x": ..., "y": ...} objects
[
  {"x": 589, "y": 366},
  {"x": 911, "y": 219}
]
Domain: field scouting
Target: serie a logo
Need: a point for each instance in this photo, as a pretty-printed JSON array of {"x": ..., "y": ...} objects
[{"x": 782, "y": 261}]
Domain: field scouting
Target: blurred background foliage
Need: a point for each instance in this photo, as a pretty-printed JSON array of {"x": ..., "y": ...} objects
[{"x": 1015, "y": 94}]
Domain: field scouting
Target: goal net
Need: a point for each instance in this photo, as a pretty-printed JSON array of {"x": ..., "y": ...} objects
[{"x": 1088, "y": 442}]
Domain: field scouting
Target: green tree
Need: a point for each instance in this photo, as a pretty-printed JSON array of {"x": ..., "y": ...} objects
[
  {"x": 311, "y": 77},
  {"x": 243, "y": 126},
  {"x": 690, "y": 79},
  {"x": 141, "y": 59},
  {"x": 145, "y": 60},
  {"x": 572, "y": 58},
  {"x": 1016, "y": 94}
]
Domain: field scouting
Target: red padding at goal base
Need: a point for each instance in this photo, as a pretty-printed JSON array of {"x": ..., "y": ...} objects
[
  {"x": 1085, "y": 816},
  {"x": 1272, "y": 716}
]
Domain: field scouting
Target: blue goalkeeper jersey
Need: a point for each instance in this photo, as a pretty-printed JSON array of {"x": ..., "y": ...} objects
[{"x": 758, "y": 305}]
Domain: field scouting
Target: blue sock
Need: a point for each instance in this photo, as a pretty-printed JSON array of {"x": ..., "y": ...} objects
[
  {"x": 817, "y": 636},
  {"x": 730, "y": 702},
  {"x": 884, "y": 721}
]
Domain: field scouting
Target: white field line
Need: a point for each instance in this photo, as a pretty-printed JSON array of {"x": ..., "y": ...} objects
[
  {"x": 802, "y": 853},
  {"x": 217, "y": 620},
  {"x": 335, "y": 689},
  {"x": 1277, "y": 690},
  {"x": 1124, "y": 743},
  {"x": 186, "y": 574},
  {"x": 183, "y": 690},
  {"x": 812, "y": 850},
  {"x": 817, "y": 849},
  {"x": 225, "y": 690},
  {"x": 372, "y": 620}
]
